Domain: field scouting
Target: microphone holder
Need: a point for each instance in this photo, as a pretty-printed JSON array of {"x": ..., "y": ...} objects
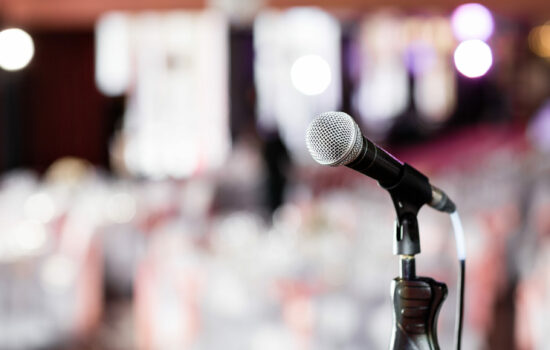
[{"x": 416, "y": 300}]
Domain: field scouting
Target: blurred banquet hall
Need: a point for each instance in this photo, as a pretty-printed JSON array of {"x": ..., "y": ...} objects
[{"x": 156, "y": 191}]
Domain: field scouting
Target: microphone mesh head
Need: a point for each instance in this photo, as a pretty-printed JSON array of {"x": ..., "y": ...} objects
[{"x": 333, "y": 138}]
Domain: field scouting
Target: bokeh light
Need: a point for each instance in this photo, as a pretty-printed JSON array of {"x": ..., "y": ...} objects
[
  {"x": 539, "y": 129},
  {"x": 113, "y": 54},
  {"x": 58, "y": 273},
  {"x": 472, "y": 21},
  {"x": 121, "y": 208},
  {"x": 310, "y": 75},
  {"x": 473, "y": 58},
  {"x": 383, "y": 89},
  {"x": 539, "y": 40},
  {"x": 39, "y": 207},
  {"x": 16, "y": 49},
  {"x": 30, "y": 236}
]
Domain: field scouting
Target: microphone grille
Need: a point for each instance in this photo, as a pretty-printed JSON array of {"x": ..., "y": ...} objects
[{"x": 333, "y": 138}]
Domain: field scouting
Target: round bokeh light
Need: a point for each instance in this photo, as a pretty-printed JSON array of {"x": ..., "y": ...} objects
[
  {"x": 539, "y": 40},
  {"x": 16, "y": 49},
  {"x": 310, "y": 75},
  {"x": 472, "y": 21},
  {"x": 473, "y": 58}
]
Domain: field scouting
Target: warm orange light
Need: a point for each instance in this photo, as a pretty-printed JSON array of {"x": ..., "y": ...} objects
[{"x": 539, "y": 40}]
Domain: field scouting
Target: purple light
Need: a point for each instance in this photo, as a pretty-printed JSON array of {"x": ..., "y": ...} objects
[
  {"x": 473, "y": 58},
  {"x": 472, "y": 21},
  {"x": 539, "y": 128},
  {"x": 420, "y": 57}
]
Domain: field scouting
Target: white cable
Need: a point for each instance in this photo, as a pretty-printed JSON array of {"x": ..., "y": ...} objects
[
  {"x": 459, "y": 236},
  {"x": 461, "y": 254}
]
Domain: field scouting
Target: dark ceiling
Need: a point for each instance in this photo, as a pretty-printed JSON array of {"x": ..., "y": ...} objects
[{"x": 49, "y": 14}]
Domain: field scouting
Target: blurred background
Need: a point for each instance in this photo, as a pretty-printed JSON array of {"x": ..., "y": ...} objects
[{"x": 156, "y": 191}]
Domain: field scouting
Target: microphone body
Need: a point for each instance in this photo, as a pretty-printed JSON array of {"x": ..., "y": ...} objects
[
  {"x": 377, "y": 163},
  {"x": 374, "y": 162},
  {"x": 333, "y": 138}
]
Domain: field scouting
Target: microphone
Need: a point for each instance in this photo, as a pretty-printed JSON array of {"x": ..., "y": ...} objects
[{"x": 334, "y": 139}]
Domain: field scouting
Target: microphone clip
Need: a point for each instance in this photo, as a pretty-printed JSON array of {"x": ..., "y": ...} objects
[{"x": 408, "y": 194}]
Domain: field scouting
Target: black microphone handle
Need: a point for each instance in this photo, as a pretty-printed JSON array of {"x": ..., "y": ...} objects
[{"x": 373, "y": 161}]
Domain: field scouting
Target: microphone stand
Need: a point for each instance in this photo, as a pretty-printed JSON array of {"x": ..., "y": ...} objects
[{"x": 416, "y": 300}]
